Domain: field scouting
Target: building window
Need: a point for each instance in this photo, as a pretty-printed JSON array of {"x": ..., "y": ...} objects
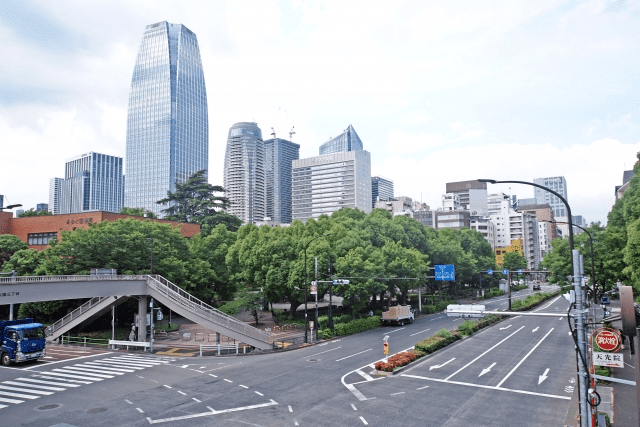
[{"x": 41, "y": 238}]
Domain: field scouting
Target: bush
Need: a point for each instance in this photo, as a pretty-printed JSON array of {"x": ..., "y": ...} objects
[
  {"x": 443, "y": 333},
  {"x": 466, "y": 328},
  {"x": 356, "y": 326},
  {"x": 396, "y": 361},
  {"x": 436, "y": 342},
  {"x": 323, "y": 321},
  {"x": 345, "y": 318}
]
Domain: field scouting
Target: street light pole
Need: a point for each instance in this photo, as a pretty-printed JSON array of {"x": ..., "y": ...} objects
[
  {"x": 306, "y": 287},
  {"x": 593, "y": 270},
  {"x": 580, "y": 311}
]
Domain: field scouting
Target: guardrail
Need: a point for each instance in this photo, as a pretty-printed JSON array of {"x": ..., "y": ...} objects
[
  {"x": 84, "y": 341},
  {"x": 70, "y": 278},
  {"x": 220, "y": 347},
  {"x": 114, "y": 343}
]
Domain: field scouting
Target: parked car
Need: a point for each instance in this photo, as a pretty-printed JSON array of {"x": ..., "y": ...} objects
[{"x": 536, "y": 287}]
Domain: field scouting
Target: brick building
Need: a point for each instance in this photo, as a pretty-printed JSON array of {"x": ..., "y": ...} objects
[{"x": 37, "y": 230}]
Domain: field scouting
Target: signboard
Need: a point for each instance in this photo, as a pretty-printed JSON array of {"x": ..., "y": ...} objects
[
  {"x": 468, "y": 310},
  {"x": 311, "y": 324},
  {"x": 159, "y": 315},
  {"x": 605, "y": 299},
  {"x": 505, "y": 271},
  {"x": 445, "y": 272},
  {"x": 612, "y": 360},
  {"x": 607, "y": 339},
  {"x": 341, "y": 282},
  {"x": 489, "y": 271},
  {"x": 313, "y": 289},
  {"x": 519, "y": 271}
]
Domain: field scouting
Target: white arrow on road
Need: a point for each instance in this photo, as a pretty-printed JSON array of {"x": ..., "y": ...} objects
[
  {"x": 536, "y": 329},
  {"x": 543, "y": 376},
  {"x": 484, "y": 371},
  {"x": 440, "y": 366},
  {"x": 502, "y": 329}
]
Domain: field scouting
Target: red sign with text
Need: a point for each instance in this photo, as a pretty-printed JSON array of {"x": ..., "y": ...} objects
[{"x": 607, "y": 340}]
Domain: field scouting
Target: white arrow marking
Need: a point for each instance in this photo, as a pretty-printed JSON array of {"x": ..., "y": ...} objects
[
  {"x": 543, "y": 376},
  {"x": 484, "y": 371},
  {"x": 502, "y": 329},
  {"x": 536, "y": 329},
  {"x": 440, "y": 366}
]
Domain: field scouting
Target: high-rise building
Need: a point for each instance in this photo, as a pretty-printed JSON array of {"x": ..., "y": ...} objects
[
  {"x": 557, "y": 184},
  {"x": 346, "y": 141},
  {"x": 244, "y": 173},
  {"x": 326, "y": 184},
  {"x": 472, "y": 195},
  {"x": 279, "y": 155},
  {"x": 167, "y": 122},
  {"x": 55, "y": 190},
  {"x": 381, "y": 189},
  {"x": 42, "y": 207},
  {"x": 1, "y": 201},
  {"x": 513, "y": 226},
  {"x": 92, "y": 182}
]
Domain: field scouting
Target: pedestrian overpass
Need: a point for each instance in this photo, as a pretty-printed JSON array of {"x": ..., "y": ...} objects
[{"x": 104, "y": 291}]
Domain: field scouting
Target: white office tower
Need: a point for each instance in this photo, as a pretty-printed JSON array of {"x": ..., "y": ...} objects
[
  {"x": 55, "y": 191},
  {"x": 559, "y": 185},
  {"x": 326, "y": 184},
  {"x": 511, "y": 225}
]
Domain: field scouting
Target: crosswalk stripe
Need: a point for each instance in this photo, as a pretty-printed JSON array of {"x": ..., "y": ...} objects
[
  {"x": 126, "y": 364},
  {"x": 84, "y": 369},
  {"x": 44, "y": 387},
  {"x": 83, "y": 379},
  {"x": 22, "y": 396},
  {"x": 364, "y": 375},
  {"x": 145, "y": 359},
  {"x": 87, "y": 377},
  {"x": 11, "y": 401},
  {"x": 139, "y": 360},
  {"x": 72, "y": 383},
  {"x": 3, "y": 406},
  {"x": 26, "y": 390},
  {"x": 114, "y": 364},
  {"x": 110, "y": 368},
  {"x": 133, "y": 362}
]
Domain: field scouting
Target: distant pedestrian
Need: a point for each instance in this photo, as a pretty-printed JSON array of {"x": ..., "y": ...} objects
[{"x": 132, "y": 335}]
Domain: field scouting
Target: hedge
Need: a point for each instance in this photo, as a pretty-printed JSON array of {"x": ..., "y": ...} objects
[{"x": 353, "y": 327}]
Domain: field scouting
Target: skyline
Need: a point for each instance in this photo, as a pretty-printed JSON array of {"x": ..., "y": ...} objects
[{"x": 437, "y": 93}]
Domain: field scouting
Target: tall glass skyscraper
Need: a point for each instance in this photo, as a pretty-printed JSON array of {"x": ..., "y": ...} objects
[
  {"x": 279, "y": 153},
  {"x": 346, "y": 141},
  {"x": 244, "y": 173},
  {"x": 167, "y": 124}
]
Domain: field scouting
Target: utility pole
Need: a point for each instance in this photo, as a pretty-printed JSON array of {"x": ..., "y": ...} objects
[{"x": 316, "y": 318}]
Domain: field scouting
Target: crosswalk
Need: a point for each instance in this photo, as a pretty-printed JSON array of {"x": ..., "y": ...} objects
[{"x": 46, "y": 383}]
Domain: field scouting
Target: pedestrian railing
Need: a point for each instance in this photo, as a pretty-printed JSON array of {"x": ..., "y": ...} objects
[
  {"x": 222, "y": 347},
  {"x": 84, "y": 341}
]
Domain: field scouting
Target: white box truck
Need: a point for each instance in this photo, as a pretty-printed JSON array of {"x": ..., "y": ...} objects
[{"x": 398, "y": 315}]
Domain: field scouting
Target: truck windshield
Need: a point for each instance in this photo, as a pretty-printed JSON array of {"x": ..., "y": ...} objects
[{"x": 33, "y": 333}]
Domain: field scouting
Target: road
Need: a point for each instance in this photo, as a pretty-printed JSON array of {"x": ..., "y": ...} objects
[{"x": 518, "y": 372}]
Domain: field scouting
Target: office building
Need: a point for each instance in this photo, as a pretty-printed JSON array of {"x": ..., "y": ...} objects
[
  {"x": 167, "y": 121},
  {"x": 511, "y": 226},
  {"x": 472, "y": 195},
  {"x": 42, "y": 207},
  {"x": 381, "y": 189},
  {"x": 244, "y": 173},
  {"x": 453, "y": 219},
  {"x": 626, "y": 183},
  {"x": 557, "y": 184},
  {"x": 92, "y": 182},
  {"x": 55, "y": 191},
  {"x": 346, "y": 141},
  {"x": 485, "y": 227},
  {"x": 425, "y": 216},
  {"x": 325, "y": 184},
  {"x": 279, "y": 155},
  {"x": 1, "y": 201}
]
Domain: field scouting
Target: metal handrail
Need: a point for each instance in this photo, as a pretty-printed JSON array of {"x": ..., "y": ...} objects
[{"x": 49, "y": 330}]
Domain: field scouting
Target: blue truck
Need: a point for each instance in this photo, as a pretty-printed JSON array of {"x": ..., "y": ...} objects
[{"x": 22, "y": 340}]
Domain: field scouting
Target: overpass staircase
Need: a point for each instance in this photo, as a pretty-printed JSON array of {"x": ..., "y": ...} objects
[{"x": 175, "y": 299}]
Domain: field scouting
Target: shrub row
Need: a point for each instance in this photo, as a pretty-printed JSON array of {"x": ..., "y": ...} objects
[
  {"x": 396, "y": 361},
  {"x": 437, "y": 307},
  {"x": 351, "y": 327},
  {"x": 531, "y": 301},
  {"x": 442, "y": 339}
]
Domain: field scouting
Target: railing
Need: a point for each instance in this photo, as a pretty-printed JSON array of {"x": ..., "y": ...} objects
[
  {"x": 219, "y": 347},
  {"x": 70, "y": 278},
  {"x": 49, "y": 330},
  {"x": 203, "y": 309},
  {"x": 84, "y": 341}
]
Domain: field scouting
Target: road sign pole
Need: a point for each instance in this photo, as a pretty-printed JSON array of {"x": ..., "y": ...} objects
[
  {"x": 580, "y": 312},
  {"x": 509, "y": 287},
  {"x": 316, "y": 317}
]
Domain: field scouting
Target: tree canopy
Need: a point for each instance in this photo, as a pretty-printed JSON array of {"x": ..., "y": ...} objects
[{"x": 33, "y": 212}]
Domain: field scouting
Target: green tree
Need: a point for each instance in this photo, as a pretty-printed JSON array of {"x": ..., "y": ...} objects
[
  {"x": 514, "y": 261},
  {"x": 33, "y": 212},
  {"x": 9, "y": 244},
  {"x": 194, "y": 200},
  {"x": 138, "y": 212},
  {"x": 208, "y": 223}
]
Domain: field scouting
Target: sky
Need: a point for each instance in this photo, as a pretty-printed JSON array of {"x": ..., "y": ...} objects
[{"x": 438, "y": 91}]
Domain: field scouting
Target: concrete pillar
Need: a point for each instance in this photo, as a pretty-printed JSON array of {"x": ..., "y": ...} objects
[{"x": 142, "y": 317}]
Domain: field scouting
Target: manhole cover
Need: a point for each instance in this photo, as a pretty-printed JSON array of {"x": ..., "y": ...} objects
[
  {"x": 313, "y": 360},
  {"x": 96, "y": 410},
  {"x": 48, "y": 407}
]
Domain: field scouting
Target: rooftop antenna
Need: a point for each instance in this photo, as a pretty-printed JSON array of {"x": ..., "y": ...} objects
[
  {"x": 291, "y": 133},
  {"x": 273, "y": 132}
]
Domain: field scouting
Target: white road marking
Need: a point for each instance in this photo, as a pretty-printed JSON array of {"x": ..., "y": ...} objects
[
  {"x": 229, "y": 381},
  {"x": 22, "y": 396},
  {"x": 212, "y": 412},
  {"x": 89, "y": 375},
  {"x": 258, "y": 393},
  {"x": 75, "y": 377},
  {"x": 128, "y": 401},
  {"x": 536, "y": 329},
  {"x": 420, "y": 388},
  {"x": 91, "y": 370},
  {"x": 67, "y": 360},
  {"x": 355, "y": 391},
  {"x": 393, "y": 394},
  {"x": 503, "y": 340},
  {"x": 354, "y": 407},
  {"x": 193, "y": 398},
  {"x": 326, "y": 351},
  {"x": 140, "y": 410},
  {"x": 524, "y": 358},
  {"x": 354, "y": 354},
  {"x": 484, "y": 371},
  {"x": 419, "y": 332},
  {"x": 364, "y": 421},
  {"x": 243, "y": 386},
  {"x": 489, "y": 387},
  {"x": 506, "y": 327},
  {"x": 35, "y": 385},
  {"x": 443, "y": 364},
  {"x": 214, "y": 376},
  {"x": 543, "y": 376},
  {"x": 167, "y": 386},
  {"x": 290, "y": 408},
  {"x": 182, "y": 393},
  {"x": 76, "y": 383},
  {"x": 395, "y": 330},
  {"x": 106, "y": 368},
  {"x": 11, "y": 400},
  {"x": 295, "y": 422},
  {"x": 365, "y": 375},
  {"x": 118, "y": 365},
  {"x": 26, "y": 390}
]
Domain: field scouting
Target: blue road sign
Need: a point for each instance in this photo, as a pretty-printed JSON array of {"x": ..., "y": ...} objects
[
  {"x": 505, "y": 271},
  {"x": 605, "y": 299},
  {"x": 445, "y": 272},
  {"x": 489, "y": 271},
  {"x": 519, "y": 271}
]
